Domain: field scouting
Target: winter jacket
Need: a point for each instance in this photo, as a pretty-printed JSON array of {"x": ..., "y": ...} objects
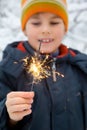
[{"x": 60, "y": 105}]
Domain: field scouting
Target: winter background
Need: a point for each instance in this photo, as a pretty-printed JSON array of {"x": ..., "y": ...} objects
[{"x": 10, "y": 27}]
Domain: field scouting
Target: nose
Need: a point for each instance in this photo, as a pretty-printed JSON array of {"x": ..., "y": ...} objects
[
  {"x": 46, "y": 29},
  {"x": 46, "y": 32}
]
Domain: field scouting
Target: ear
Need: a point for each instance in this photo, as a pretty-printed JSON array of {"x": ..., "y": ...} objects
[
  {"x": 65, "y": 32},
  {"x": 25, "y": 32}
]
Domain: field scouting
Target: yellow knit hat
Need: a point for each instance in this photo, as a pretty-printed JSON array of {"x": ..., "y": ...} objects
[{"x": 30, "y": 7}]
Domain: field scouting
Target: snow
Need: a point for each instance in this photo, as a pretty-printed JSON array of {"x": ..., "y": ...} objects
[{"x": 10, "y": 27}]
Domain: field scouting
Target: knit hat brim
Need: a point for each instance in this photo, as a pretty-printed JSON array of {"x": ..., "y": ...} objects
[{"x": 44, "y": 6}]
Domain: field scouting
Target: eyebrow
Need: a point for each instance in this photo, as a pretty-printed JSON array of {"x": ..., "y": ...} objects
[
  {"x": 36, "y": 16},
  {"x": 55, "y": 16}
]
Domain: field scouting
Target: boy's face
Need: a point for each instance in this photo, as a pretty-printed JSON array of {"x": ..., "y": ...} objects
[{"x": 47, "y": 28}]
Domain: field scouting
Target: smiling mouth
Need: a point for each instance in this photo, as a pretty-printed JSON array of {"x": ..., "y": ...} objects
[{"x": 47, "y": 40}]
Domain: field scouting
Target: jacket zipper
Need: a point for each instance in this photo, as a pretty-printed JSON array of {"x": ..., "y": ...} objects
[{"x": 54, "y": 69}]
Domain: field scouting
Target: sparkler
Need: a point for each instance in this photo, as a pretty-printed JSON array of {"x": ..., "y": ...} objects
[{"x": 39, "y": 68}]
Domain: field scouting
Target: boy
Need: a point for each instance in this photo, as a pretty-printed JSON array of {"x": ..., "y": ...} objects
[{"x": 58, "y": 102}]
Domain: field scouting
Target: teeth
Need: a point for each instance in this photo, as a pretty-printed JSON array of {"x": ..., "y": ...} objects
[{"x": 46, "y": 40}]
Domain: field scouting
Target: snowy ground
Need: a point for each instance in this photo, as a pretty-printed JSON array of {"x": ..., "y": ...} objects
[{"x": 10, "y": 29}]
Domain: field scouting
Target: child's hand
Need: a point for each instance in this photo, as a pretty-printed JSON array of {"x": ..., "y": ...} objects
[{"x": 19, "y": 104}]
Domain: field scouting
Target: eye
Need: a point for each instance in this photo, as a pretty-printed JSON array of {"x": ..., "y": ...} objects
[
  {"x": 36, "y": 23},
  {"x": 54, "y": 23}
]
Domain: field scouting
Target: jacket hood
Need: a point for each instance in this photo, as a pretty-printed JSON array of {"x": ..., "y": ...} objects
[{"x": 13, "y": 55}]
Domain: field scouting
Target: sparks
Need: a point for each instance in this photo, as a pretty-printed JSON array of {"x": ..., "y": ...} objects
[{"x": 37, "y": 67}]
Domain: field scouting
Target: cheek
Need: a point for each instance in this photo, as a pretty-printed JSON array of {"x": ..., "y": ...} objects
[
  {"x": 29, "y": 31},
  {"x": 60, "y": 34},
  {"x": 32, "y": 33}
]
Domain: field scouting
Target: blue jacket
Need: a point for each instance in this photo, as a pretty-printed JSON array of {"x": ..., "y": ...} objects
[{"x": 60, "y": 105}]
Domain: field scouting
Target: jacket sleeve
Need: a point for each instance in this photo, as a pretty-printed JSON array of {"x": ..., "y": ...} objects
[
  {"x": 84, "y": 93},
  {"x": 4, "y": 89},
  {"x": 8, "y": 84}
]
